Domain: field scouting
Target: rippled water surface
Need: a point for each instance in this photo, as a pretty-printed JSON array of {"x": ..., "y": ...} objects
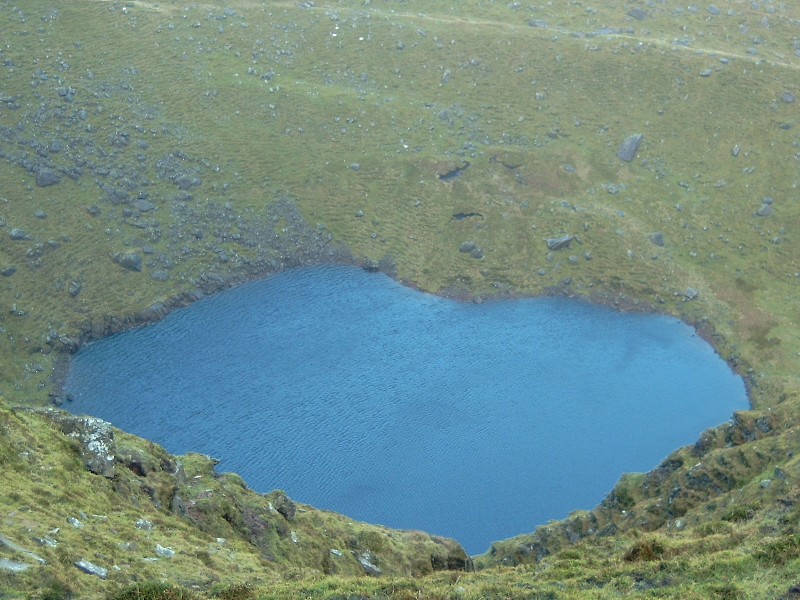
[{"x": 358, "y": 395}]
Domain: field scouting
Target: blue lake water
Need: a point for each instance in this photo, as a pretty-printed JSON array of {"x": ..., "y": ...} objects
[{"x": 356, "y": 394}]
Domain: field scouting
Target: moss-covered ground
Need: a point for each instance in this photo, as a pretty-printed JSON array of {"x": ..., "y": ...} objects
[{"x": 217, "y": 142}]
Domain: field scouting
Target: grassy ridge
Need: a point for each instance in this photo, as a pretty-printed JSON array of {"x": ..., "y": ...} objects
[{"x": 277, "y": 133}]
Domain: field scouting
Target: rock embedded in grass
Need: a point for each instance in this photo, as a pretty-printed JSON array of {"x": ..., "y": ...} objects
[
  {"x": 132, "y": 261},
  {"x": 629, "y": 146},
  {"x": 91, "y": 568},
  {"x": 560, "y": 242},
  {"x": 657, "y": 238},
  {"x": 47, "y": 177}
]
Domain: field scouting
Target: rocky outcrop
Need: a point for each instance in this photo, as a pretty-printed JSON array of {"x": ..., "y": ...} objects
[{"x": 724, "y": 459}]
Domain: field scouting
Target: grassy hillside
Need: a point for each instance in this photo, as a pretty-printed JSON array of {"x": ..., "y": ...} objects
[{"x": 153, "y": 152}]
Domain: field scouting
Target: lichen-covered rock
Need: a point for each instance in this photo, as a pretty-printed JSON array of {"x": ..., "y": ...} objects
[{"x": 96, "y": 439}]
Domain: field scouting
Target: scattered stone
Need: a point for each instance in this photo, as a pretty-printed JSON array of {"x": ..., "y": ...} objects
[
  {"x": 657, "y": 238},
  {"x": 691, "y": 293},
  {"x": 162, "y": 551},
  {"x": 16, "y": 234},
  {"x": 160, "y": 275},
  {"x": 360, "y": 214},
  {"x": 144, "y": 525},
  {"x": 74, "y": 288},
  {"x": 12, "y": 565},
  {"x": 94, "y": 210},
  {"x": 476, "y": 253},
  {"x": 787, "y": 97},
  {"x": 4, "y": 541},
  {"x": 573, "y": 260},
  {"x": 131, "y": 261},
  {"x": 178, "y": 506},
  {"x": 587, "y": 255},
  {"x": 542, "y": 272},
  {"x": 638, "y": 13},
  {"x": 90, "y": 568},
  {"x": 712, "y": 10},
  {"x": 294, "y": 537},
  {"x": 467, "y": 247},
  {"x": 365, "y": 559},
  {"x": 706, "y": 73},
  {"x": 735, "y": 150},
  {"x": 764, "y": 211},
  {"x": 355, "y": 166},
  {"x": 47, "y": 177},
  {"x": 335, "y": 552},
  {"x": 143, "y": 205},
  {"x": 400, "y": 45},
  {"x": 538, "y": 23},
  {"x": 40, "y": 214},
  {"x": 560, "y": 242},
  {"x": 8, "y": 271},
  {"x": 629, "y": 146},
  {"x": 74, "y": 522}
]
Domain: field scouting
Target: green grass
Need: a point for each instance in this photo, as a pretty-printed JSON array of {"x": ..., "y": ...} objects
[{"x": 518, "y": 103}]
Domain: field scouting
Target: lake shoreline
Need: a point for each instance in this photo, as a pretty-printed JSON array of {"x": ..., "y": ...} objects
[{"x": 623, "y": 302}]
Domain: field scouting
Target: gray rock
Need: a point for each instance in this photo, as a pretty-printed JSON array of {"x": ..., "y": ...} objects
[
  {"x": 40, "y": 214},
  {"x": 573, "y": 260},
  {"x": 400, "y": 45},
  {"x": 766, "y": 200},
  {"x": 538, "y": 23},
  {"x": 691, "y": 293},
  {"x": 787, "y": 97},
  {"x": 160, "y": 275},
  {"x": 94, "y": 210},
  {"x": 74, "y": 288},
  {"x": 706, "y": 73},
  {"x": 542, "y": 271},
  {"x": 8, "y": 271},
  {"x": 47, "y": 177},
  {"x": 96, "y": 439},
  {"x": 284, "y": 505},
  {"x": 638, "y": 13},
  {"x": 560, "y": 242},
  {"x": 355, "y": 166},
  {"x": 365, "y": 559},
  {"x": 131, "y": 261},
  {"x": 476, "y": 253},
  {"x": 629, "y": 146},
  {"x": 143, "y": 205},
  {"x": 74, "y": 522},
  {"x": 467, "y": 247},
  {"x": 657, "y": 238},
  {"x": 162, "y": 551},
  {"x": 144, "y": 525},
  {"x": 735, "y": 150},
  {"x": 6, "y": 564},
  {"x": 178, "y": 507},
  {"x": 764, "y": 211},
  {"x": 712, "y": 10},
  {"x": 90, "y": 568},
  {"x": 4, "y": 541},
  {"x": 16, "y": 234}
]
